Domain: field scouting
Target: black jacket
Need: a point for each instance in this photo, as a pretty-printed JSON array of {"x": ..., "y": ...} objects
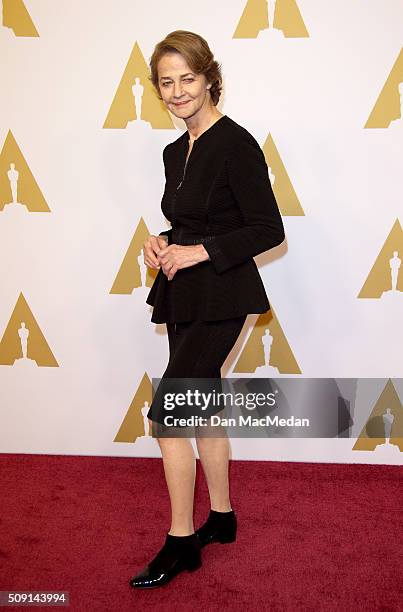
[{"x": 224, "y": 192}]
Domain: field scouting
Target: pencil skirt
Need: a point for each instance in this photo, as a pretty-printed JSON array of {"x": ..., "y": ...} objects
[{"x": 197, "y": 349}]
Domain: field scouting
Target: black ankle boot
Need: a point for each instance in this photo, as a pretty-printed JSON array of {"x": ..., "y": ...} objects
[
  {"x": 177, "y": 554},
  {"x": 219, "y": 527}
]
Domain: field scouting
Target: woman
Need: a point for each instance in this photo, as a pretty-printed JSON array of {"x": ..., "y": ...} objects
[{"x": 223, "y": 212}]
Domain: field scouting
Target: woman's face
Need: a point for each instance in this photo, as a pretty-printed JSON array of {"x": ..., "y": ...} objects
[{"x": 183, "y": 92}]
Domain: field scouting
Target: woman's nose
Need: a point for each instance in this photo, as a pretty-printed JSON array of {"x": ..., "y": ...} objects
[{"x": 178, "y": 89}]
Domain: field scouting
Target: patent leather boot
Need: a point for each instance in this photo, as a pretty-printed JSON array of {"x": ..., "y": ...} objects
[
  {"x": 219, "y": 527},
  {"x": 178, "y": 553}
]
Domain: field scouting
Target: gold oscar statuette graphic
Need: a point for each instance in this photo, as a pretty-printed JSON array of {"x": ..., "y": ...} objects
[
  {"x": 135, "y": 423},
  {"x": 23, "y": 344},
  {"x": 267, "y": 352},
  {"x": 16, "y": 17},
  {"x": 388, "y": 109},
  {"x": 283, "y": 189},
  {"x": 271, "y": 19},
  {"x": 19, "y": 191},
  {"x": 383, "y": 431},
  {"x": 135, "y": 103},
  {"x": 385, "y": 279},
  {"x": 133, "y": 272}
]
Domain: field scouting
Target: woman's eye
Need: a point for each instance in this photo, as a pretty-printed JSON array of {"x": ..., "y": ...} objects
[{"x": 169, "y": 82}]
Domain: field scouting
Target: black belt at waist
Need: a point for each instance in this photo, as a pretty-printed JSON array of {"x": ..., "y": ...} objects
[{"x": 187, "y": 240}]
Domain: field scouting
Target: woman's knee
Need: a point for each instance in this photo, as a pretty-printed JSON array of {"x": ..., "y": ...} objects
[{"x": 208, "y": 436}]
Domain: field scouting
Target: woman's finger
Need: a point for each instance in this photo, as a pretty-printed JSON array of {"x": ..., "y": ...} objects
[{"x": 150, "y": 247}]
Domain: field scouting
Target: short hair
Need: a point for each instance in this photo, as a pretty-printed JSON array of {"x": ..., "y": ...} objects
[{"x": 197, "y": 54}]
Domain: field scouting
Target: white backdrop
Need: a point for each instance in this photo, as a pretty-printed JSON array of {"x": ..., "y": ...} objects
[{"x": 89, "y": 193}]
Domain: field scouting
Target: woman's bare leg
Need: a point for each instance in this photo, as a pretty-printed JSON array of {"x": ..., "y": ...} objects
[
  {"x": 214, "y": 457},
  {"x": 180, "y": 471}
]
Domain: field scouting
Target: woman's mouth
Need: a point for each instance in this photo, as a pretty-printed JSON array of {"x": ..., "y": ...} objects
[{"x": 181, "y": 103}]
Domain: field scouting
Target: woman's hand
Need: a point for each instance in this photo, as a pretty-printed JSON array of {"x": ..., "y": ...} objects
[
  {"x": 151, "y": 247},
  {"x": 176, "y": 256}
]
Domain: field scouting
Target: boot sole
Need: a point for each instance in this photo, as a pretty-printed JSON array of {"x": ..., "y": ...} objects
[
  {"x": 219, "y": 540},
  {"x": 190, "y": 568}
]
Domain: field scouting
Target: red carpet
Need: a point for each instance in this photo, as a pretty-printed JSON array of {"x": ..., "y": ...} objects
[{"x": 311, "y": 536}]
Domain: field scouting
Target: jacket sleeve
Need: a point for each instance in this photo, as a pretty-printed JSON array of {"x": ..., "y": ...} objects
[
  {"x": 166, "y": 232},
  {"x": 263, "y": 227}
]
